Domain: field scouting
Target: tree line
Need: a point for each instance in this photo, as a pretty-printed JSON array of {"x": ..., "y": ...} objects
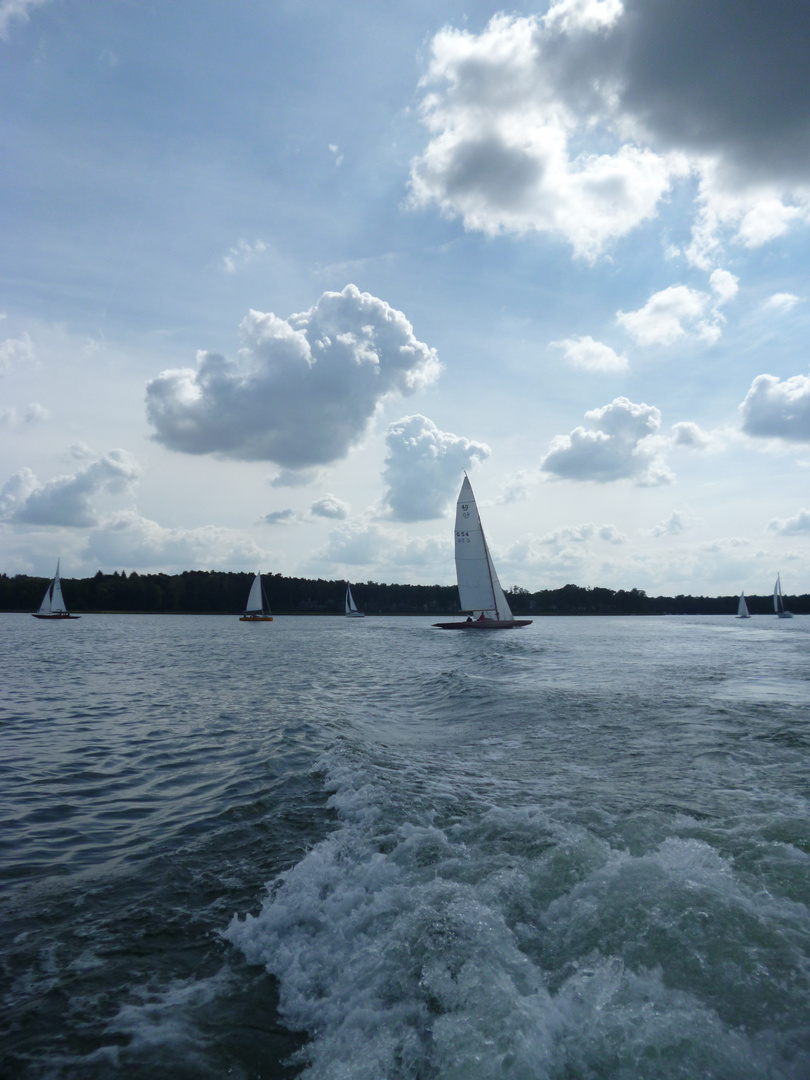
[{"x": 213, "y": 592}]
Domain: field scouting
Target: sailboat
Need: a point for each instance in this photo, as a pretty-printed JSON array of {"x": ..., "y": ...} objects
[
  {"x": 778, "y": 602},
  {"x": 351, "y": 607},
  {"x": 742, "y": 608},
  {"x": 479, "y": 590},
  {"x": 257, "y": 610},
  {"x": 53, "y": 604}
]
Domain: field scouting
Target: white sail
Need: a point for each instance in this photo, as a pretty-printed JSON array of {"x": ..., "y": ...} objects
[
  {"x": 742, "y": 608},
  {"x": 255, "y": 602},
  {"x": 53, "y": 602},
  {"x": 778, "y": 602},
  {"x": 478, "y": 587},
  {"x": 350, "y": 607}
]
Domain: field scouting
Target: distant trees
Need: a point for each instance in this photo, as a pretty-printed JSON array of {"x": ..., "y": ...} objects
[{"x": 218, "y": 592}]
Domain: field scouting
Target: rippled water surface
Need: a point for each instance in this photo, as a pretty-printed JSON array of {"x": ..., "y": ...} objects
[{"x": 367, "y": 849}]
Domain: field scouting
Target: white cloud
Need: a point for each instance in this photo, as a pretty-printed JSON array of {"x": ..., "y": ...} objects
[
  {"x": 15, "y": 9},
  {"x": 781, "y": 302},
  {"x": 670, "y": 314},
  {"x": 303, "y": 389},
  {"x": 799, "y": 525},
  {"x": 777, "y": 409},
  {"x": 127, "y": 539},
  {"x": 579, "y": 122},
  {"x": 673, "y": 526},
  {"x": 66, "y": 500},
  {"x": 330, "y": 506},
  {"x": 619, "y": 445},
  {"x": 590, "y": 355},
  {"x": 15, "y": 352},
  {"x": 242, "y": 254},
  {"x": 501, "y": 151},
  {"x": 750, "y": 215},
  {"x": 423, "y": 467},
  {"x": 687, "y": 433}
]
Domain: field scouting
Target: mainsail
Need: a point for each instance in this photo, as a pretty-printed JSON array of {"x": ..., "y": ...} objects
[
  {"x": 478, "y": 587},
  {"x": 53, "y": 602},
  {"x": 257, "y": 602},
  {"x": 778, "y": 602},
  {"x": 350, "y": 607}
]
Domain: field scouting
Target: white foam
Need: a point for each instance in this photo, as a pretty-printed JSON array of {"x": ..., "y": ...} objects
[{"x": 494, "y": 943}]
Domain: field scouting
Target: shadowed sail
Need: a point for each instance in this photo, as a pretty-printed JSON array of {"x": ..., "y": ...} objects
[
  {"x": 479, "y": 590},
  {"x": 351, "y": 608},
  {"x": 778, "y": 602}
]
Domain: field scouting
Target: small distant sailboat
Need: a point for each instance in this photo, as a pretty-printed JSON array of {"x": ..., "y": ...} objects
[
  {"x": 257, "y": 610},
  {"x": 778, "y": 602},
  {"x": 351, "y": 608},
  {"x": 742, "y": 608},
  {"x": 479, "y": 590},
  {"x": 53, "y": 604}
]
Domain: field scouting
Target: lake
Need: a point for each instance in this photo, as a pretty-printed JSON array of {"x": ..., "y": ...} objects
[{"x": 368, "y": 849}]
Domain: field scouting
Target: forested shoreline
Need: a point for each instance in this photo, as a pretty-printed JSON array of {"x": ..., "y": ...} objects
[{"x": 215, "y": 592}]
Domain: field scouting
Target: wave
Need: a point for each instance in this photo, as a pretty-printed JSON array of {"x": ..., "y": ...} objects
[{"x": 457, "y": 939}]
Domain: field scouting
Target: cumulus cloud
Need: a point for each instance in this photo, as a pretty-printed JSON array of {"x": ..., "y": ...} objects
[
  {"x": 578, "y": 122},
  {"x": 501, "y": 151},
  {"x": 302, "y": 390},
  {"x": 590, "y": 355},
  {"x": 668, "y": 315},
  {"x": 423, "y": 467},
  {"x": 127, "y": 539},
  {"x": 795, "y": 526},
  {"x": 689, "y": 434},
  {"x": 66, "y": 500},
  {"x": 774, "y": 409},
  {"x": 15, "y": 9},
  {"x": 619, "y": 444},
  {"x": 330, "y": 506}
]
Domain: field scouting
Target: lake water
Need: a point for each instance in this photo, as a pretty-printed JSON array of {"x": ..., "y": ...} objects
[{"x": 367, "y": 849}]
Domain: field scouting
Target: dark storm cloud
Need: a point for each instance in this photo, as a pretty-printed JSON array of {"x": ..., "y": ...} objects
[{"x": 717, "y": 77}]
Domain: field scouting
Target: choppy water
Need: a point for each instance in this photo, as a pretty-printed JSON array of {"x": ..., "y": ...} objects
[{"x": 366, "y": 849}]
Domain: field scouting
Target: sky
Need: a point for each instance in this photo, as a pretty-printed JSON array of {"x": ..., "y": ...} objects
[{"x": 273, "y": 275}]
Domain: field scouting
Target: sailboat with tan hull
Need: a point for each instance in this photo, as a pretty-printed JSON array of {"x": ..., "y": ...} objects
[{"x": 479, "y": 591}]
